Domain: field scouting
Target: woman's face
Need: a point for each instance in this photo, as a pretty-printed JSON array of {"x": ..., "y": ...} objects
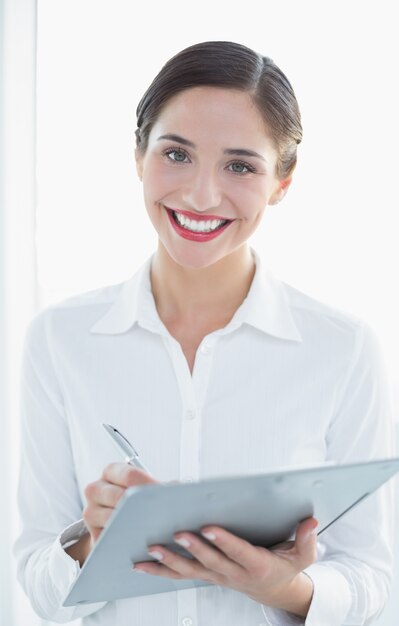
[{"x": 197, "y": 167}]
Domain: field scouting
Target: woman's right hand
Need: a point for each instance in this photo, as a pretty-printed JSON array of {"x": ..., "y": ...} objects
[
  {"x": 102, "y": 497},
  {"x": 104, "y": 494}
]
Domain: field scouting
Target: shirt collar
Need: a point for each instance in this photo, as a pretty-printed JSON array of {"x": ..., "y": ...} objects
[{"x": 266, "y": 306}]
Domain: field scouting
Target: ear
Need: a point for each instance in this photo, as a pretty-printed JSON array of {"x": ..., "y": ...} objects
[
  {"x": 280, "y": 190},
  {"x": 139, "y": 163}
]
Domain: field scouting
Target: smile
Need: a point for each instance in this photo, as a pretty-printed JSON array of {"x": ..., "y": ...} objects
[
  {"x": 198, "y": 226},
  {"x": 195, "y": 229}
]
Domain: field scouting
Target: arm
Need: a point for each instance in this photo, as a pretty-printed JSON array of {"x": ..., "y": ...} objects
[
  {"x": 353, "y": 575},
  {"x": 52, "y": 545},
  {"x": 48, "y": 496},
  {"x": 295, "y": 597}
]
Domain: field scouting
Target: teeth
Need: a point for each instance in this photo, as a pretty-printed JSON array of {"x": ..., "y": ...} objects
[{"x": 198, "y": 227}]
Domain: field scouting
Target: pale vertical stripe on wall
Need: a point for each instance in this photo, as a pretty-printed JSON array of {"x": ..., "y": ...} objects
[
  {"x": 18, "y": 295},
  {"x": 5, "y": 584}
]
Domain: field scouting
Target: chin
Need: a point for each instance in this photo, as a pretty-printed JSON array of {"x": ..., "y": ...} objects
[{"x": 195, "y": 260}]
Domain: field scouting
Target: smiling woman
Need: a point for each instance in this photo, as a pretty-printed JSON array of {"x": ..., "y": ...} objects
[{"x": 207, "y": 356}]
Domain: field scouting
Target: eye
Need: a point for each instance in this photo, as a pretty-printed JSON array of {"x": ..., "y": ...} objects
[
  {"x": 238, "y": 165},
  {"x": 179, "y": 157}
]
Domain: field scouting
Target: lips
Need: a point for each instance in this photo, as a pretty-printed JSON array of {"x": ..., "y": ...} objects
[
  {"x": 199, "y": 218},
  {"x": 195, "y": 236}
]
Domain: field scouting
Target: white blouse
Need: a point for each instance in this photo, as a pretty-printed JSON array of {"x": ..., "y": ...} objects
[{"x": 288, "y": 381}]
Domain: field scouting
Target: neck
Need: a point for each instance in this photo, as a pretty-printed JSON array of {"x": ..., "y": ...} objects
[{"x": 204, "y": 294}]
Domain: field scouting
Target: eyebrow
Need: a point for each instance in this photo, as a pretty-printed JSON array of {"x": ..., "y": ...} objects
[{"x": 236, "y": 151}]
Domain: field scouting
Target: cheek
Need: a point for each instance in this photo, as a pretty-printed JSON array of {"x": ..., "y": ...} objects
[
  {"x": 250, "y": 200},
  {"x": 151, "y": 176},
  {"x": 159, "y": 180},
  {"x": 252, "y": 220}
]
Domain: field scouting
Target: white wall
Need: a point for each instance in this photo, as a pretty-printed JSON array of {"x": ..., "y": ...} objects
[{"x": 5, "y": 583}]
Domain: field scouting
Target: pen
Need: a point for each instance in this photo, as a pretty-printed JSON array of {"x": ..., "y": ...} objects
[{"x": 125, "y": 447}]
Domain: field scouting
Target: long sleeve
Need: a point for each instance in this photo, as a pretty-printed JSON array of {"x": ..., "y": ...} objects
[
  {"x": 48, "y": 496},
  {"x": 353, "y": 575}
]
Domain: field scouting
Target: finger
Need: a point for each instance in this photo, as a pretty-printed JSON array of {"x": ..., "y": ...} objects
[
  {"x": 126, "y": 475},
  {"x": 96, "y": 516},
  {"x": 104, "y": 493},
  {"x": 236, "y": 549},
  {"x": 184, "y": 566},
  {"x": 156, "y": 569},
  {"x": 284, "y": 546},
  {"x": 306, "y": 531},
  {"x": 306, "y": 541},
  {"x": 213, "y": 559}
]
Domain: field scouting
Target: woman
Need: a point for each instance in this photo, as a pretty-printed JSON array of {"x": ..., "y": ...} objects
[{"x": 211, "y": 366}]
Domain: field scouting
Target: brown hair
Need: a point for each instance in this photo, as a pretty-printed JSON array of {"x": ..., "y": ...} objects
[{"x": 233, "y": 66}]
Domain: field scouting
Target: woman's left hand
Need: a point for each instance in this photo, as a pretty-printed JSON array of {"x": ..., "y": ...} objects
[{"x": 266, "y": 576}]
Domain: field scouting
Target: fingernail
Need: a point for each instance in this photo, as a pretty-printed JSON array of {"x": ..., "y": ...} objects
[
  {"x": 139, "y": 571},
  {"x": 210, "y": 536},
  {"x": 157, "y": 555},
  {"x": 311, "y": 533},
  {"x": 183, "y": 542}
]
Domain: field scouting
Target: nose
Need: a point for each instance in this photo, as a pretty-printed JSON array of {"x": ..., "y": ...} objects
[{"x": 203, "y": 191}]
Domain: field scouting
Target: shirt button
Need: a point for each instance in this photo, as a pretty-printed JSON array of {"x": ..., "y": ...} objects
[
  {"x": 190, "y": 414},
  {"x": 187, "y": 621},
  {"x": 206, "y": 348}
]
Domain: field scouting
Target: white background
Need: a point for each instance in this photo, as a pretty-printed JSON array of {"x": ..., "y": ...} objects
[{"x": 335, "y": 234}]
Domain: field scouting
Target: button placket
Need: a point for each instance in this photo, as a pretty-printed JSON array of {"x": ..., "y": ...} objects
[
  {"x": 187, "y": 607},
  {"x": 206, "y": 347},
  {"x": 203, "y": 367},
  {"x": 189, "y": 450},
  {"x": 193, "y": 393},
  {"x": 190, "y": 424}
]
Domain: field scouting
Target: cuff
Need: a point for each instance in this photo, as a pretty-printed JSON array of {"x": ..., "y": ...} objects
[
  {"x": 332, "y": 597},
  {"x": 63, "y": 569},
  {"x": 330, "y": 604},
  {"x": 278, "y": 617},
  {"x": 71, "y": 534}
]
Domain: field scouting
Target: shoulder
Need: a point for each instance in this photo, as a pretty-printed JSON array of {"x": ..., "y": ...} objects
[
  {"x": 73, "y": 315},
  {"x": 328, "y": 327},
  {"x": 307, "y": 308}
]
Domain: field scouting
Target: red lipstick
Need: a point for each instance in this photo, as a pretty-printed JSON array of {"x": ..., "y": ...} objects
[
  {"x": 192, "y": 236},
  {"x": 199, "y": 218}
]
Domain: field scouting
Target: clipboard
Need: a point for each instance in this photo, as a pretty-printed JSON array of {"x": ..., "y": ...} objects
[{"x": 261, "y": 508}]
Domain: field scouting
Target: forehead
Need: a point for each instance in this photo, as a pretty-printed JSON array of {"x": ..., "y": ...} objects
[{"x": 214, "y": 113}]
